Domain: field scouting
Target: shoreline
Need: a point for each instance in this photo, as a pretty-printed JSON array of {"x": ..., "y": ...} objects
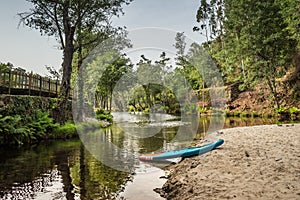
[{"x": 257, "y": 162}]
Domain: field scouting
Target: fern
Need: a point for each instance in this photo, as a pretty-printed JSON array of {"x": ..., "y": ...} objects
[
  {"x": 17, "y": 131},
  {"x": 12, "y": 130}
]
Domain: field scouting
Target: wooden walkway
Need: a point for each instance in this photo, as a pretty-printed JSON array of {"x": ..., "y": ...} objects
[{"x": 16, "y": 82}]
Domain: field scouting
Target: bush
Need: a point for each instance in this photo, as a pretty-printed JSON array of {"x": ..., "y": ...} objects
[
  {"x": 12, "y": 132},
  {"x": 202, "y": 110},
  {"x": 17, "y": 131},
  {"x": 104, "y": 115},
  {"x": 281, "y": 109},
  {"x": 131, "y": 108},
  {"x": 68, "y": 130},
  {"x": 88, "y": 126},
  {"x": 41, "y": 124},
  {"x": 294, "y": 110}
]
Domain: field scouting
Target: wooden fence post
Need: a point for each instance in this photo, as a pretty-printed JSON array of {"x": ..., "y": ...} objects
[
  {"x": 4, "y": 77},
  {"x": 9, "y": 81},
  {"x": 18, "y": 79},
  {"x": 41, "y": 83},
  {"x": 30, "y": 82},
  {"x": 49, "y": 87},
  {"x": 56, "y": 88}
]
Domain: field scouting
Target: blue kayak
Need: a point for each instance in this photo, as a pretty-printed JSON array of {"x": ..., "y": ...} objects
[{"x": 184, "y": 153}]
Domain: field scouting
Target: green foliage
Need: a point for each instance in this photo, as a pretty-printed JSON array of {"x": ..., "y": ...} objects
[
  {"x": 112, "y": 66},
  {"x": 11, "y": 132},
  {"x": 167, "y": 108},
  {"x": 210, "y": 16},
  {"x": 294, "y": 110},
  {"x": 254, "y": 114},
  {"x": 6, "y": 66},
  {"x": 202, "y": 109},
  {"x": 104, "y": 115},
  {"x": 41, "y": 124},
  {"x": 88, "y": 126},
  {"x": 15, "y": 130},
  {"x": 290, "y": 12},
  {"x": 245, "y": 114},
  {"x": 68, "y": 130},
  {"x": 25, "y": 106},
  {"x": 151, "y": 89},
  {"x": 281, "y": 109},
  {"x": 252, "y": 41},
  {"x": 131, "y": 108},
  {"x": 70, "y": 21}
]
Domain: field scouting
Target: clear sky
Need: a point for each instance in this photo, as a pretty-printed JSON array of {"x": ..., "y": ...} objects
[{"x": 26, "y": 48}]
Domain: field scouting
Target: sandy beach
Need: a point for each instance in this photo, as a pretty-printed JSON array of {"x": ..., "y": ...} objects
[{"x": 259, "y": 162}]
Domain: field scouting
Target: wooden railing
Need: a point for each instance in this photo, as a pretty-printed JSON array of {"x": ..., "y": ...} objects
[{"x": 21, "y": 83}]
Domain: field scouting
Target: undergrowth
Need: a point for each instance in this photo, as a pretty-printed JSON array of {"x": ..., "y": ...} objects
[
  {"x": 19, "y": 130},
  {"x": 103, "y": 115}
]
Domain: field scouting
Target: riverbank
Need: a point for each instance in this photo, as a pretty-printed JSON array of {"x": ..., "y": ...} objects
[{"x": 259, "y": 162}]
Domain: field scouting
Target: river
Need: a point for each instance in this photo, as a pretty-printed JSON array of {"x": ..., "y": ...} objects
[{"x": 71, "y": 169}]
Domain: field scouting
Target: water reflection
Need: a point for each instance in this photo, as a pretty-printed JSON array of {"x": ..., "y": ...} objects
[
  {"x": 67, "y": 170},
  {"x": 94, "y": 180},
  {"x": 239, "y": 122},
  {"x": 132, "y": 135},
  {"x": 205, "y": 128},
  {"x": 57, "y": 170}
]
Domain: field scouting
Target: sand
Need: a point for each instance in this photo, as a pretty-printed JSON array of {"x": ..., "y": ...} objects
[{"x": 259, "y": 162}]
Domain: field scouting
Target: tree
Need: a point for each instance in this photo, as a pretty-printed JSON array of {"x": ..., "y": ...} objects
[
  {"x": 210, "y": 16},
  {"x": 66, "y": 20},
  {"x": 147, "y": 74},
  {"x": 251, "y": 40},
  {"x": 151, "y": 87},
  {"x": 111, "y": 76},
  {"x": 180, "y": 44},
  {"x": 290, "y": 11},
  {"x": 54, "y": 74},
  {"x": 114, "y": 39},
  {"x": 263, "y": 38},
  {"x": 102, "y": 72}
]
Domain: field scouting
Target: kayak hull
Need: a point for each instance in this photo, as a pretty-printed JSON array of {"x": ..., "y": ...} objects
[{"x": 184, "y": 153}]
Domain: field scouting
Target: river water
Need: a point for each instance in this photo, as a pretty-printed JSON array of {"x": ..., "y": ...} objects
[{"x": 72, "y": 170}]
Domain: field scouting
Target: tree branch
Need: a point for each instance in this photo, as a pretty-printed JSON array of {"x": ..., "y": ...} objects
[{"x": 60, "y": 34}]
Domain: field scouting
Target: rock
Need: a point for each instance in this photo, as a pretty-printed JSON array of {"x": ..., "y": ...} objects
[
  {"x": 163, "y": 177},
  {"x": 191, "y": 190},
  {"x": 194, "y": 164},
  {"x": 160, "y": 191},
  {"x": 247, "y": 154}
]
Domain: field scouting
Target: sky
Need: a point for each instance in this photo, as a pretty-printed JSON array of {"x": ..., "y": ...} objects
[{"x": 26, "y": 48}]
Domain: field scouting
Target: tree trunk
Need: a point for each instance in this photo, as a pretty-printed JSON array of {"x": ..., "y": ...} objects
[
  {"x": 80, "y": 83},
  {"x": 147, "y": 91},
  {"x": 63, "y": 108},
  {"x": 80, "y": 70},
  {"x": 272, "y": 86},
  {"x": 243, "y": 70},
  {"x": 110, "y": 98}
]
